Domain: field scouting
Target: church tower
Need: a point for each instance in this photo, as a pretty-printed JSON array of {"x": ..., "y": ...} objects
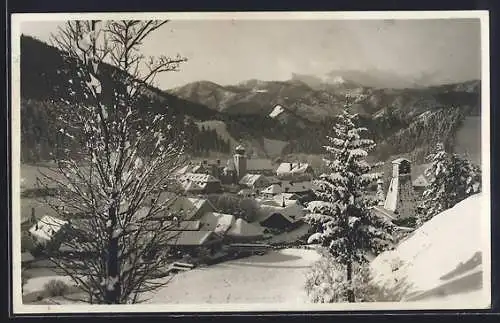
[
  {"x": 400, "y": 197},
  {"x": 240, "y": 161}
]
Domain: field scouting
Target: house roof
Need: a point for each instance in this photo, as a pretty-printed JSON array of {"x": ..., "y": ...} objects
[
  {"x": 183, "y": 170},
  {"x": 47, "y": 227},
  {"x": 421, "y": 181},
  {"x": 245, "y": 191},
  {"x": 183, "y": 225},
  {"x": 192, "y": 186},
  {"x": 287, "y": 196},
  {"x": 292, "y": 212},
  {"x": 190, "y": 238},
  {"x": 297, "y": 187},
  {"x": 241, "y": 228},
  {"x": 218, "y": 222},
  {"x": 259, "y": 164},
  {"x": 250, "y": 179},
  {"x": 184, "y": 207},
  {"x": 400, "y": 160},
  {"x": 265, "y": 220},
  {"x": 292, "y": 168},
  {"x": 199, "y": 178},
  {"x": 273, "y": 189}
]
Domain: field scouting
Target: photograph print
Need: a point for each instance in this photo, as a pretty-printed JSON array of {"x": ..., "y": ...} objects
[{"x": 230, "y": 162}]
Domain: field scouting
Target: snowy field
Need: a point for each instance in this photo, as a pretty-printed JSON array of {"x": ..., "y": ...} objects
[
  {"x": 442, "y": 259},
  {"x": 276, "y": 277}
]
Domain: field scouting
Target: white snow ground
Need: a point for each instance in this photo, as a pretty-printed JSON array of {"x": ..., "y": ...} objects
[
  {"x": 276, "y": 277},
  {"x": 441, "y": 260}
]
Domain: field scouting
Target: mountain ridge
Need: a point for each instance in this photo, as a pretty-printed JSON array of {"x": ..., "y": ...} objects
[{"x": 244, "y": 109}]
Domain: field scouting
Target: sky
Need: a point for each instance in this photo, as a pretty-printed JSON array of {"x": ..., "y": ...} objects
[{"x": 232, "y": 51}]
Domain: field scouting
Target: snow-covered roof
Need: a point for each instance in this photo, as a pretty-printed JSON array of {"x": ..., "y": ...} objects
[
  {"x": 251, "y": 179},
  {"x": 45, "y": 229},
  {"x": 183, "y": 170},
  {"x": 291, "y": 212},
  {"x": 199, "y": 178},
  {"x": 245, "y": 192},
  {"x": 191, "y": 186},
  {"x": 217, "y": 222},
  {"x": 289, "y": 187},
  {"x": 273, "y": 189},
  {"x": 187, "y": 208},
  {"x": 286, "y": 196},
  {"x": 183, "y": 225},
  {"x": 292, "y": 168},
  {"x": 278, "y": 109},
  {"x": 444, "y": 251},
  {"x": 297, "y": 187},
  {"x": 189, "y": 238},
  {"x": 241, "y": 228},
  {"x": 421, "y": 181},
  {"x": 400, "y": 160}
]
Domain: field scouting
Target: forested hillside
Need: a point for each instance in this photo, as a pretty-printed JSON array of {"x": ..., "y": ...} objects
[{"x": 402, "y": 121}]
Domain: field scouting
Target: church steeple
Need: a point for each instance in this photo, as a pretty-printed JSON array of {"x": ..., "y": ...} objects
[{"x": 240, "y": 161}]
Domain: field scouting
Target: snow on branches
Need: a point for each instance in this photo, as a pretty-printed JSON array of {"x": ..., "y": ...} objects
[
  {"x": 452, "y": 179},
  {"x": 127, "y": 158},
  {"x": 341, "y": 219}
]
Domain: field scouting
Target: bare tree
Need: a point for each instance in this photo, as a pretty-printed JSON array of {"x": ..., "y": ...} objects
[{"x": 127, "y": 156}]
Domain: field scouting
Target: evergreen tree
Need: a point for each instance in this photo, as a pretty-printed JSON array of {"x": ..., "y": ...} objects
[
  {"x": 343, "y": 221},
  {"x": 453, "y": 179}
]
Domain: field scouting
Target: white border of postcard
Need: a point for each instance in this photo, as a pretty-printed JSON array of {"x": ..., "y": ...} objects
[{"x": 481, "y": 303}]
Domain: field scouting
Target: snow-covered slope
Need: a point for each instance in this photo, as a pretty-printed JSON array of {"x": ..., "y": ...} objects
[{"x": 441, "y": 260}]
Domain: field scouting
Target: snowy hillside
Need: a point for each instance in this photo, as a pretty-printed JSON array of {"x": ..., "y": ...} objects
[{"x": 441, "y": 260}]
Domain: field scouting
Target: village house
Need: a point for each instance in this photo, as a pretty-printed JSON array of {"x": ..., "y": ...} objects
[
  {"x": 299, "y": 188},
  {"x": 420, "y": 184},
  {"x": 200, "y": 183},
  {"x": 254, "y": 181},
  {"x": 295, "y": 172},
  {"x": 48, "y": 232},
  {"x": 181, "y": 208},
  {"x": 194, "y": 243},
  {"x": 283, "y": 214},
  {"x": 242, "y": 231}
]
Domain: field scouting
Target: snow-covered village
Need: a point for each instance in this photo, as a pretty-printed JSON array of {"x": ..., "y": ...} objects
[{"x": 251, "y": 176}]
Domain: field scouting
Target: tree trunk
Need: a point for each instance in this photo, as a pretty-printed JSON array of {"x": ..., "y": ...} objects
[
  {"x": 350, "y": 291},
  {"x": 113, "y": 291}
]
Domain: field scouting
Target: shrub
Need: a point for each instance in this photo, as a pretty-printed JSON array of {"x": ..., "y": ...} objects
[
  {"x": 327, "y": 283},
  {"x": 56, "y": 288}
]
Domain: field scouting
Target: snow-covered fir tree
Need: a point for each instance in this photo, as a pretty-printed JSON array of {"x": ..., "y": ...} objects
[
  {"x": 342, "y": 219},
  {"x": 453, "y": 178},
  {"x": 126, "y": 159}
]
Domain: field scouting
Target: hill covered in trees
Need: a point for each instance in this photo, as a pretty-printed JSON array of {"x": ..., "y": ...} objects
[{"x": 402, "y": 121}]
